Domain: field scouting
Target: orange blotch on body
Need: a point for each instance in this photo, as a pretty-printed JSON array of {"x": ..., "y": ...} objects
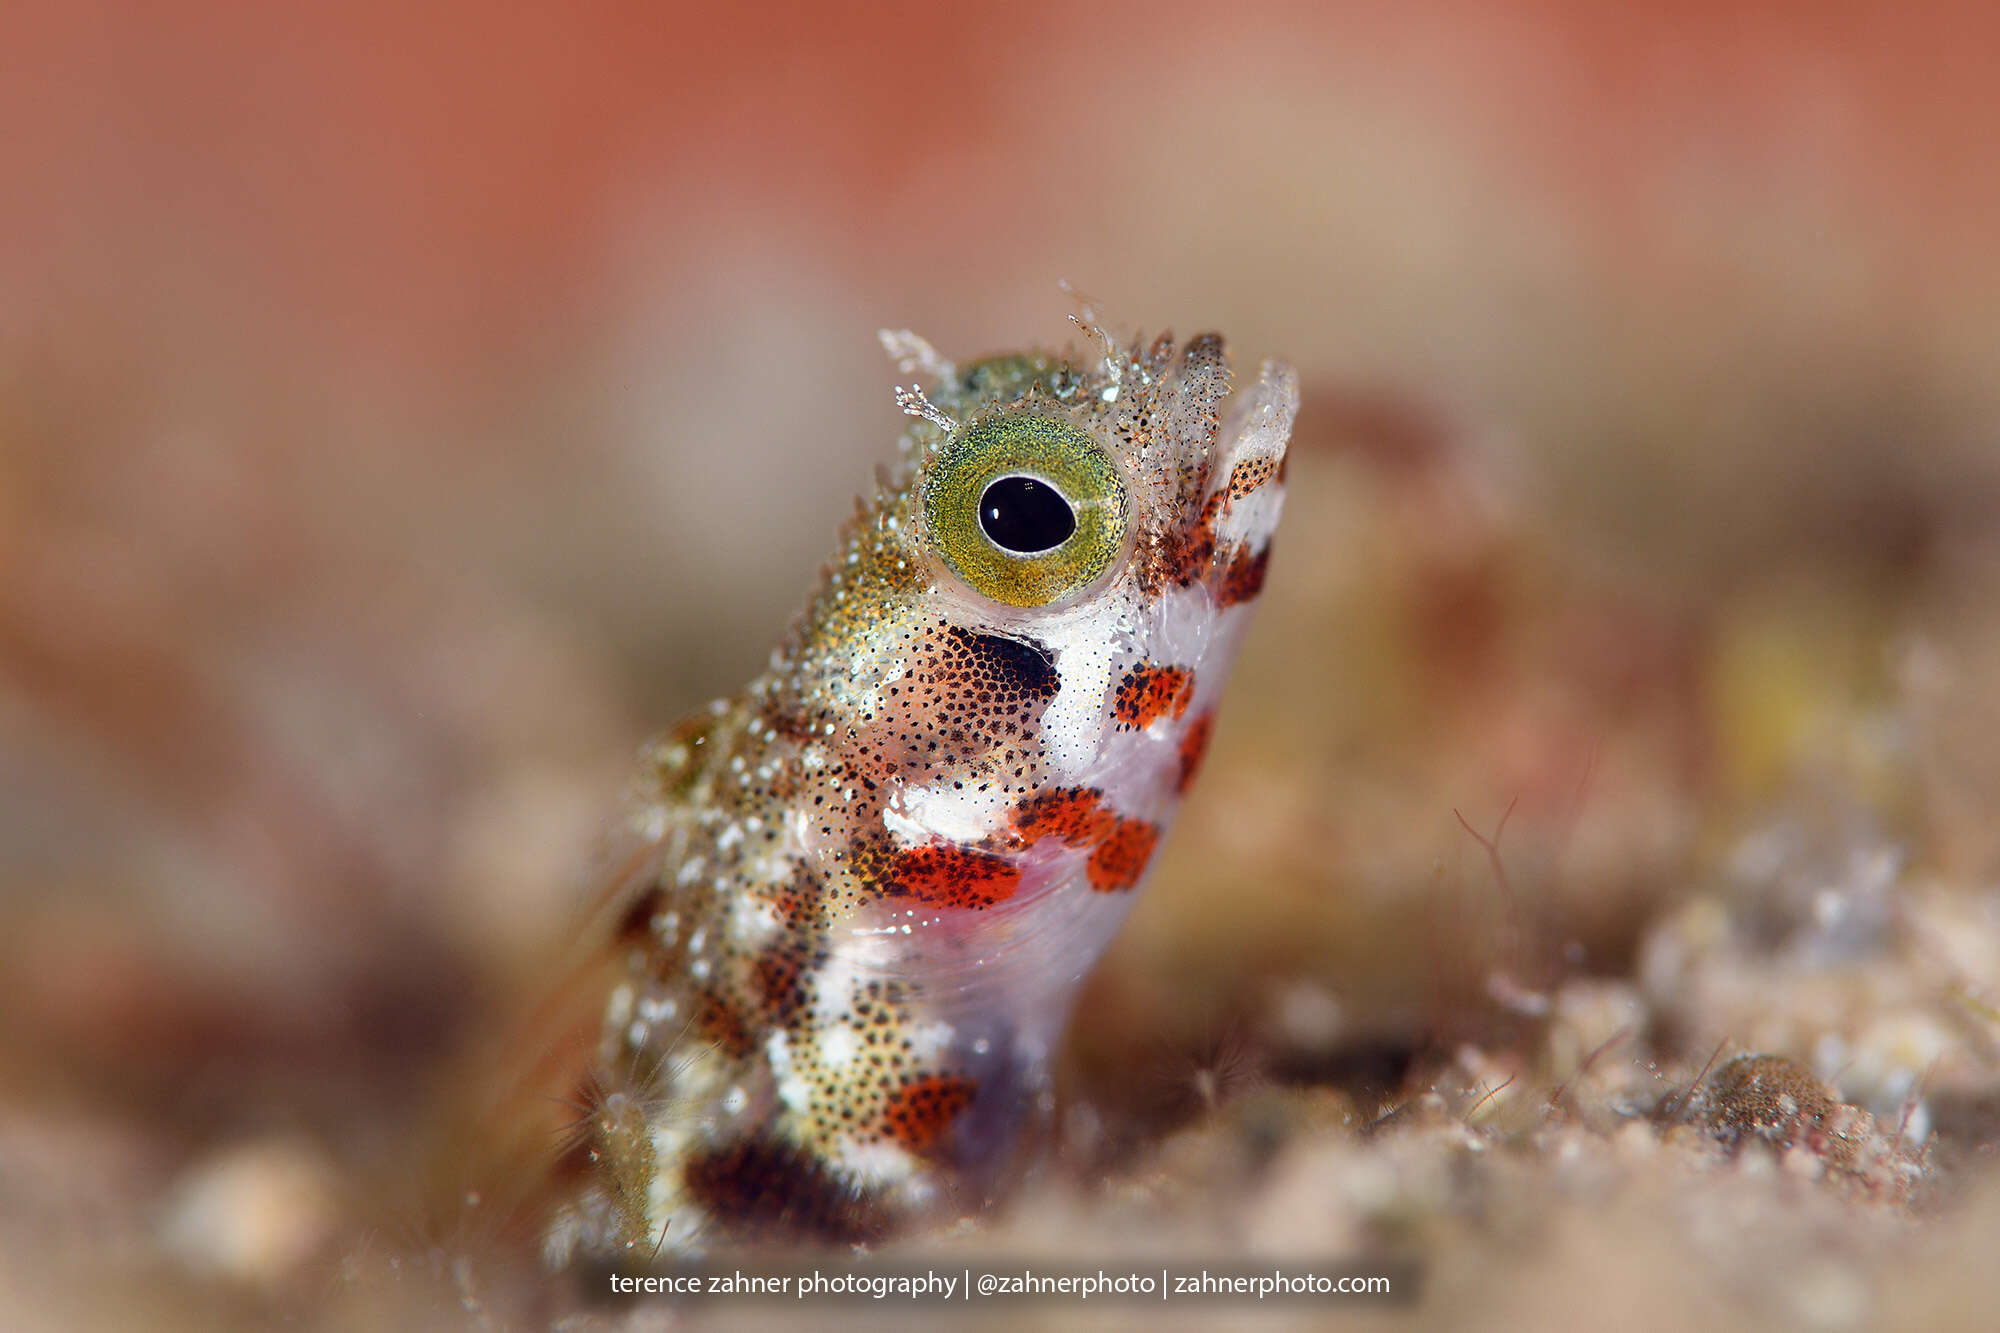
[
  {"x": 1194, "y": 749},
  {"x": 1149, "y": 692},
  {"x": 1243, "y": 577},
  {"x": 918, "y": 1113},
  {"x": 947, "y": 876},
  {"x": 719, "y": 1021},
  {"x": 1075, "y": 815},
  {"x": 1120, "y": 859}
]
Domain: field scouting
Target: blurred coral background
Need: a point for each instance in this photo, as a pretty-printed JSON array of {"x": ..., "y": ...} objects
[{"x": 405, "y": 409}]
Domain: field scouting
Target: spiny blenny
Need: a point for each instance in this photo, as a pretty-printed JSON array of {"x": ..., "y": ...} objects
[{"x": 875, "y": 878}]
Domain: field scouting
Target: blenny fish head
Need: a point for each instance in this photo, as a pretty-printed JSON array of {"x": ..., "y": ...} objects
[
  {"x": 1107, "y": 512},
  {"x": 879, "y": 874},
  {"x": 1048, "y": 494},
  {"x": 1024, "y": 643}
]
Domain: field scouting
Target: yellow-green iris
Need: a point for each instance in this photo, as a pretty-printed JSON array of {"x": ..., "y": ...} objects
[{"x": 997, "y": 490}]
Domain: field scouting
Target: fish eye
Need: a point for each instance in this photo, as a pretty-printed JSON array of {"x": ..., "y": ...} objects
[
  {"x": 1025, "y": 515},
  {"x": 1027, "y": 508}
]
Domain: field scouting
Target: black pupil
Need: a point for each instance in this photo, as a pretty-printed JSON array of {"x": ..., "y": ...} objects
[{"x": 1024, "y": 515}]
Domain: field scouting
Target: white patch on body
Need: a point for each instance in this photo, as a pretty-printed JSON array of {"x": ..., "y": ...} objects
[
  {"x": 929, "y": 1041},
  {"x": 837, "y": 1046},
  {"x": 1251, "y": 518},
  {"x": 793, "y": 1091},
  {"x": 857, "y": 954},
  {"x": 1085, "y": 647},
  {"x": 618, "y": 1012},
  {"x": 752, "y": 921},
  {"x": 873, "y": 1163},
  {"x": 664, "y": 1200},
  {"x": 955, "y": 814}
]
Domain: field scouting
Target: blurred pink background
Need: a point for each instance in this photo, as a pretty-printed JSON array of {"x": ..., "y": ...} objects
[{"x": 403, "y": 410}]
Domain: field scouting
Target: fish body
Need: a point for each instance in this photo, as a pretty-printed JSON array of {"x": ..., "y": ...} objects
[{"x": 880, "y": 873}]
